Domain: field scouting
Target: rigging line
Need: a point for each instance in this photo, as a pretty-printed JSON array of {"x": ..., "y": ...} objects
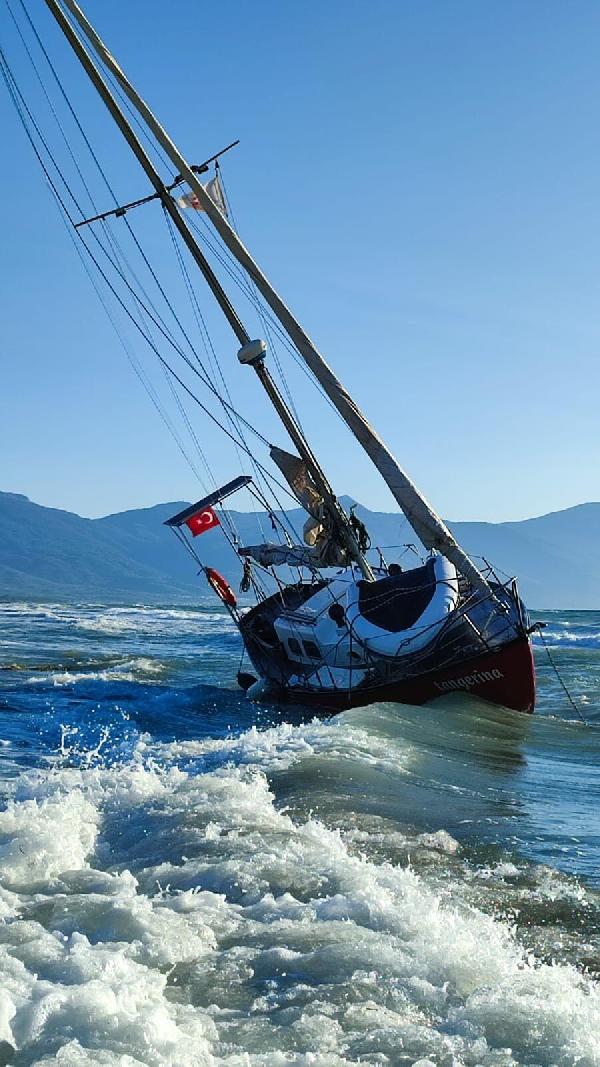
[
  {"x": 120, "y": 264},
  {"x": 192, "y": 432},
  {"x": 157, "y": 150},
  {"x": 208, "y": 345},
  {"x": 146, "y": 383},
  {"x": 183, "y": 385},
  {"x": 84, "y": 49},
  {"x": 232, "y": 267},
  {"x": 69, "y": 105},
  {"x": 200, "y": 319},
  {"x": 202, "y": 376},
  {"x": 164, "y": 362},
  {"x": 8, "y": 79},
  {"x": 276, "y": 524},
  {"x": 7, "y": 76},
  {"x": 151, "y": 392},
  {"x": 146, "y": 295},
  {"x": 209, "y": 348},
  {"x": 155, "y": 147},
  {"x": 233, "y": 417},
  {"x": 200, "y": 323},
  {"x": 562, "y": 683},
  {"x": 273, "y": 348},
  {"x": 263, "y": 311},
  {"x": 162, "y": 292},
  {"x": 118, "y": 251},
  {"x": 190, "y": 548},
  {"x": 282, "y": 518},
  {"x": 23, "y": 110},
  {"x": 50, "y": 104},
  {"x": 192, "y": 347},
  {"x": 229, "y": 263},
  {"x": 113, "y": 241},
  {"x": 297, "y": 358},
  {"x": 249, "y": 295},
  {"x": 266, "y": 505},
  {"x": 258, "y": 305},
  {"x": 189, "y": 426}
]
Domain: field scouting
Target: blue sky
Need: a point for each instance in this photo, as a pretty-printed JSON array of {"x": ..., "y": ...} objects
[{"x": 419, "y": 180}]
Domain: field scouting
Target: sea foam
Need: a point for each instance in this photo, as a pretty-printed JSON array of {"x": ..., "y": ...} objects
[{"x": 158, "y": 912}]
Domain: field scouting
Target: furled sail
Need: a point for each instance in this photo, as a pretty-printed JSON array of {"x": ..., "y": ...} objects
[
  {"x": 297, "y": 476},
  {"x": 270, "y": 555},
  {"x": 326, "y": 553},
  {"x": 320, "y": 549}
]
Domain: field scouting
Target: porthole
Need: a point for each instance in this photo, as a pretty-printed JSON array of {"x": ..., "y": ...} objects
[{"x": 311, "y": 650}]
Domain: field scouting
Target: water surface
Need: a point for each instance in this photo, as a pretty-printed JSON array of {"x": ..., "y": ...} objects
[{"x": 187, "y": 879}]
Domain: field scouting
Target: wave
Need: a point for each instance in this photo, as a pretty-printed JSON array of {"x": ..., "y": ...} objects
[
  {"x": 569, "y": 636},
  {"x": 196, "y": 624},
  {"x": 138, "y": 618},
  {"x": 183, "y": 916},
  {"x": 25, "y": 609},
  {"x": 137, "y": 669}
]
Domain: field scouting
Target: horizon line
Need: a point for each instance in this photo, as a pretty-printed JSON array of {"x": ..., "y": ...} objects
[{"x": 342, "y": 496}]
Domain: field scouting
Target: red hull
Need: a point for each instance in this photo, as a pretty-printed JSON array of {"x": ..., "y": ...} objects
[{"x": 505, "y": 676}]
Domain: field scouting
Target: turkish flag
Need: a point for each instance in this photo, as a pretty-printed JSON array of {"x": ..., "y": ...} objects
[{"x": 202, "y": 521}]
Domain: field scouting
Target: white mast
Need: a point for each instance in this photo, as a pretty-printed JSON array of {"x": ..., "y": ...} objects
[{"x": 428, "y": 526}]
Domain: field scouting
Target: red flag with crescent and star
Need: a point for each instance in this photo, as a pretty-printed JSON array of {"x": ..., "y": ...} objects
[{"x": 202, "y": 521}]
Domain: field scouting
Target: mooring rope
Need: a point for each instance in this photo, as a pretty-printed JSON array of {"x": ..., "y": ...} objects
[{"x": 539, "y": 627}]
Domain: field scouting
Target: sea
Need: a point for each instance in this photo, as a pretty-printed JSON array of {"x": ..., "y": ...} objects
[{"x": 190, "y": 879}]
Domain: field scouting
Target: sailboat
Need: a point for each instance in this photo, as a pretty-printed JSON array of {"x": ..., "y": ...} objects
[{"x": 324, "y": 624}]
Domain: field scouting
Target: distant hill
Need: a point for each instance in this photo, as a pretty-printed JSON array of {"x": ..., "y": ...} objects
[{"x": 46, "y": 553}]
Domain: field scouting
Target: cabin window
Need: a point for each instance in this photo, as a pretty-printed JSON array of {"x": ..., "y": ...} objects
[
  {"x": 311, "y": 650},
  {"x": 294, "y": 646}
]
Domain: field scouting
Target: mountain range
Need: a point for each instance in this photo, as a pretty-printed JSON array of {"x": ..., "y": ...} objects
[{"x": 49, "y": 554}]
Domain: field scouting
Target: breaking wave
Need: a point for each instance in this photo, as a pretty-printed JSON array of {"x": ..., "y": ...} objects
[
  {"x": 183, "y": 916},
  {"x": 130, "y": 670},
  {"x": 119, "y": 620},
  {"x": 571, "y": 638},
  {"x": 154, "y": 621}
]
